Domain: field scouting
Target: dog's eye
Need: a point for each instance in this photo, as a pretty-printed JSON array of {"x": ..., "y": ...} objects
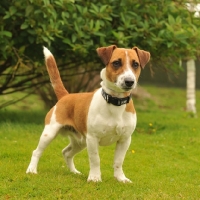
[
  {"x": 135, "y": 64},
  {"x": 117, "y": 63}
]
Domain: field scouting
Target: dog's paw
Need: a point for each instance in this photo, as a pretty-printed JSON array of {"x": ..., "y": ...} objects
[
  {"x": 123, "y": 179},
  {"x": 31, "y": 170},
  {"x": 75, "y": 171},
  {"x": 94, "y": 179}
]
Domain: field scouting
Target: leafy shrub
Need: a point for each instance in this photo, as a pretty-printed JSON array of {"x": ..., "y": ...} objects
[{"x": 74, "y": 29}]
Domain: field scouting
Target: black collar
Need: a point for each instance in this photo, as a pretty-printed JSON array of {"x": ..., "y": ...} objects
[{"x": 114, "y": 100}]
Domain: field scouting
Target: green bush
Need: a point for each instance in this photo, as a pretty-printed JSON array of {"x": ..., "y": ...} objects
[{"x": 74, "y": 29}]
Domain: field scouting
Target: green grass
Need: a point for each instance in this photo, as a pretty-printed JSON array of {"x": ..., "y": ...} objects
[{"x": 163, "y": 160}]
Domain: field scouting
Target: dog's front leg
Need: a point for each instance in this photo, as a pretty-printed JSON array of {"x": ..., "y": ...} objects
[
  {"x": 120, "y": 152},
  {"x": 93, "y": 153}
]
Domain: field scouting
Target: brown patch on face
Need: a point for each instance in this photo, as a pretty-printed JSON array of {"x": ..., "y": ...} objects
[
  {"x": 72, "y": 110},
  {"x": 111, "y": 72},
  {"x": 105, "y": 53},
  {"x": 130, "y": 107},
  {"x": 144, "y": 56},
  {"x": 133, "y": 57},
  {"x": 126, "y": 57}
]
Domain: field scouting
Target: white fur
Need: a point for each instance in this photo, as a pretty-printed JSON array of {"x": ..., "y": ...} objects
[
  {"x": 110, "y": 125},
  {"x": 106, "y": 124},
  {"x": 46, "y": 52},
  {"x": 114, "y": 88},
  {"x": 47, "y": 136},
  {"x": 128, "y": 73}
]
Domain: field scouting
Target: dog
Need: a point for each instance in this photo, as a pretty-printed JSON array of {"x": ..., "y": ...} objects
[{"x": 102, "y": 117}]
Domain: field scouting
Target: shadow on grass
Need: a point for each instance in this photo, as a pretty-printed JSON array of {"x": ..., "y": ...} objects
[{"x": 22, "y": 116}]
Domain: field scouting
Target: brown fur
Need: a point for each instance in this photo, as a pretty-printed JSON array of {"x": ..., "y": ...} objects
[
  {"x": 69, "y": 108},
  {"x": 130, "y": 107},
  {"x": 70, "y": 112},
  {"x": 54, "y": 75},
  {"x": 112, "y": 73},
  {"x": 144, "y": 56},
  {"x": 105, "y": 53},
  {"x": 48, "y": 117}
]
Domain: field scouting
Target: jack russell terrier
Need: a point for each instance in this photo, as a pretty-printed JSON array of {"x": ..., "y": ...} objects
[{"x": 102, "y": 117}]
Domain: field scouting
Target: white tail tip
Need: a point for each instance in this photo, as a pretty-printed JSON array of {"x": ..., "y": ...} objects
[{"x": 46, "y": 52}]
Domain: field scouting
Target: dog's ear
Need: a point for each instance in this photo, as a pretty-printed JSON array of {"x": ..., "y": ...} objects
[
  {"x": 144, "y": 56},
  {"x": 105, "y": 53}
]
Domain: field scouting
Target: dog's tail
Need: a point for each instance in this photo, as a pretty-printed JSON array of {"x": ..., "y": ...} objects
[{"x": 54, "y": 74}]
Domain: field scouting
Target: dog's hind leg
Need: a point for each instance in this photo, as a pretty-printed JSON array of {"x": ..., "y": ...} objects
[
  {"x": 75, "y": 146},
  {"x": 48, "y": 134}
]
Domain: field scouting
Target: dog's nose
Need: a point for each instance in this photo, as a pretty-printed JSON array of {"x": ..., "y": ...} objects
[{"x": 129, "y": 82}]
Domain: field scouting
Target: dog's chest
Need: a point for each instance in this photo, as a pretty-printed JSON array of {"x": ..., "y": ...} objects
[{"x": 109, "y": 123}]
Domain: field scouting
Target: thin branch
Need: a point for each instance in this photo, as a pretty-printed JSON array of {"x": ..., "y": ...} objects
[{"x": 3, "y": 105}]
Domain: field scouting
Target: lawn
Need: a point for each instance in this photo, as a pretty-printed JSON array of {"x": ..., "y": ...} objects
[{"x": 163, "y": 160}]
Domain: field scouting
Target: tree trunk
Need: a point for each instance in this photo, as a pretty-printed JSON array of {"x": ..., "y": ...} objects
[{"x": 191, "y": 98}]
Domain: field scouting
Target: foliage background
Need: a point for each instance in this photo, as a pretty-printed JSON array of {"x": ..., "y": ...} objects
[{"x": 74, "y": 29}]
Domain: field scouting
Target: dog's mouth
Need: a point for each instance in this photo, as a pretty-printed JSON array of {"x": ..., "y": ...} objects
[
  {"x": 127, "y": 88},
  {"x": 126, "y": 83},
  {"x": 123, "y": 88}
]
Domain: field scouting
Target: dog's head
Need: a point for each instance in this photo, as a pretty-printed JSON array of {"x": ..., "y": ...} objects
[{"x": 123, "y": 66}]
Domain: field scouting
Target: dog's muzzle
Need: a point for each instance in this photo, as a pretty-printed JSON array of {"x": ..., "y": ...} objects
[
  {"x": 129, "y": 82},
  {"x": 126, "y": 81}
]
